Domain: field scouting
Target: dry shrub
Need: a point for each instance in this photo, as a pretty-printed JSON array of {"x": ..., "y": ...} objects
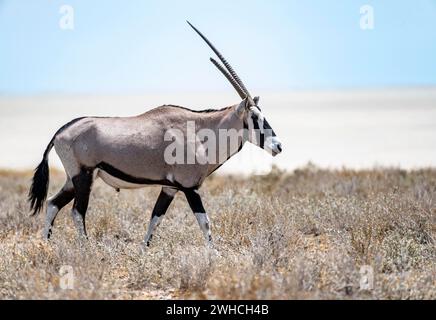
[{"x": 303, "y": 234}]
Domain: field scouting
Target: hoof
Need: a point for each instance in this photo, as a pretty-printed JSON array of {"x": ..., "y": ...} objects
[
  {"x": 143, "y": 248},
  {"x": 46, "y": 235}
]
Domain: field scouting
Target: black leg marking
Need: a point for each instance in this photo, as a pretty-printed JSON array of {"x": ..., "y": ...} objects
[
  {"x": 82, "y": 186},
  {"x": 55, "y": 204},
  {"x": 196, "y": 205},
  {"x": 194, "y": 200},
  {"x": 164, "y": 200},
  {"x": 162, "y": 203},
  {"x": 63, "y": 198}
]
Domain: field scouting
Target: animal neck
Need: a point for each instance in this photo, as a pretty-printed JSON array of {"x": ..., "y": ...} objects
[{"x": 227, "y": 126}]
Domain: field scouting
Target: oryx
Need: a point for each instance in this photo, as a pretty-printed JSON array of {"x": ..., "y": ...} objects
[{"x": 129, "y": 152}]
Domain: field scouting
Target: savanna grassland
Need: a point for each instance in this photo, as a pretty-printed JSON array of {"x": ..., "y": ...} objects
[{"x": 306, "y": 234}]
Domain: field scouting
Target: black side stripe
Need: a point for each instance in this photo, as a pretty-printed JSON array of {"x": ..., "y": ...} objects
[{"x": 137, "y": 180}]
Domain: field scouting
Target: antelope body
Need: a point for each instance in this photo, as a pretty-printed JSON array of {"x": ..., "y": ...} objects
[{"x": 129, "y": 152}]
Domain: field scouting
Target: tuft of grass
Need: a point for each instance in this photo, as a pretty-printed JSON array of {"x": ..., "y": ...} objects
[{"x": 301, "y": 234}]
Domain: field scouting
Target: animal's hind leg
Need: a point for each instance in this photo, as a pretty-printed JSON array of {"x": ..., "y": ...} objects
[
  {"x": 163, "y": 202},
  {"x": 82, "y": 189},
  {"x": 55, "y": 204}
]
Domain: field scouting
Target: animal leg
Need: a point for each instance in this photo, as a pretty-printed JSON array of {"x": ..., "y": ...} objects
[
  {"x": 82, "y": 187},
  {"x": 196, "y": 205},
  {"x": 163, "y": 202},
  {"x": 55, "y": 204}
]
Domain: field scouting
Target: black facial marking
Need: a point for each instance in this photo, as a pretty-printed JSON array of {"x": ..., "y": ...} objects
[
  {"x": 266, "y": 126},
  {"x": 258, "y": 131}
]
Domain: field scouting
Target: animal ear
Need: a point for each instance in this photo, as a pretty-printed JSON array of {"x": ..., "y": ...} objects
[{"x": 256, "y": 100}]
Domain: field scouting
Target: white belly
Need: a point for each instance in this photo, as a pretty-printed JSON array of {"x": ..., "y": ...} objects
[{"x": 117, "y": 183}]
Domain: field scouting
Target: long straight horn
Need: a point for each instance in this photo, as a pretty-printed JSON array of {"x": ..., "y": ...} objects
[
  {"x": 223, "y": 60},
  {"x": 235, "y": 85}
]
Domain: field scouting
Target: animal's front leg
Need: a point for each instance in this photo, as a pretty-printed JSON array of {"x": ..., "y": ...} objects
[{"x": 196, "y": 205}]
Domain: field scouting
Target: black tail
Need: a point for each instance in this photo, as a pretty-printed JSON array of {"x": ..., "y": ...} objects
[{"x": 38, "y": 190}]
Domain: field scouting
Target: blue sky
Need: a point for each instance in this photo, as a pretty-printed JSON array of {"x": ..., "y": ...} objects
[{"x": 126, "y": 47}]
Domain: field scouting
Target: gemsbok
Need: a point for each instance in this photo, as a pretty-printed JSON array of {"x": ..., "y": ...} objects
[{"x": 133, "y": 152}]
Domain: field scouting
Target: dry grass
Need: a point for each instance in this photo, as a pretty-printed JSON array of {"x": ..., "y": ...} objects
[{"x": 304, "y": 234}]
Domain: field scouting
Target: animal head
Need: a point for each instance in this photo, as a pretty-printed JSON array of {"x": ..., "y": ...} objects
[{"x": 260, "y": 132}]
